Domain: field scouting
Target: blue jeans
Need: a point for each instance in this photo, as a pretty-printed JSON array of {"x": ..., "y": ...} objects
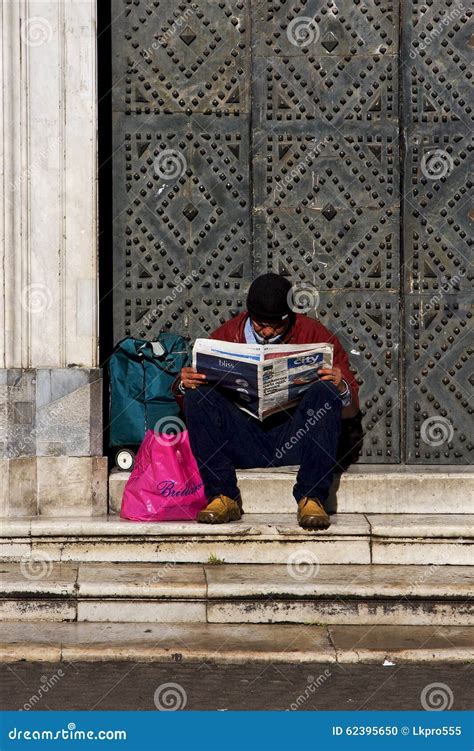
[{"x": 223, "y": 438}]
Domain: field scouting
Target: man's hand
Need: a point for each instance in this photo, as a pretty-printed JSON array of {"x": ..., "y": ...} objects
[
  {"x": 190, "y": 378},
  {"x": 333, "y": 375}
]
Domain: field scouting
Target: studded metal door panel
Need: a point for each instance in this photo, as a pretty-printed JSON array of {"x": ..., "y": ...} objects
[
  {"x": 257, "y": 136},
  {"x": 326, "y": 181},
  {"x": 181, "y": 101},
  {"x": 437, "y": 241}
]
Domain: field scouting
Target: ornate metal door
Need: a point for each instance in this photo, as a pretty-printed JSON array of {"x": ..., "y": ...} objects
[{"x": 268, "y": 135}]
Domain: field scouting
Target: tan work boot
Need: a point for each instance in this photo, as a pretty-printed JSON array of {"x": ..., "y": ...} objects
[
  {"x": 221, "y": 509},
  {"x": 311, "y": 514}
]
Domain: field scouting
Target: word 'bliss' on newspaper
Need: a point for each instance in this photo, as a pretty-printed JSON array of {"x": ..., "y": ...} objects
[{"x": 261, "y": 379}]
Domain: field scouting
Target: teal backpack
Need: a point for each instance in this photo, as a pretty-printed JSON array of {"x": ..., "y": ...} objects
[{"x": 141, "y": 373}]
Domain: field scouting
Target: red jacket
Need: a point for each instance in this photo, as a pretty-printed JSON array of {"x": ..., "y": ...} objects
[{"x": 303, "y": 331}]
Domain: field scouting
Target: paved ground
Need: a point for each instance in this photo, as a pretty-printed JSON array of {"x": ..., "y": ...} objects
[{"x": 125, "y": 685}]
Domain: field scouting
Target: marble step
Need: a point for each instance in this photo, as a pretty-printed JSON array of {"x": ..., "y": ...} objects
[
  {"x": 267, "y": 644},
  {"x": 364, "y": 489},
  {"x": 408, "y": 539},
  {"x": 300, "y": 592}
]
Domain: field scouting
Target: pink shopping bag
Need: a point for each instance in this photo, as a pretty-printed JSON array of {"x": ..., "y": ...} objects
[{"x": 165, "y": 483}]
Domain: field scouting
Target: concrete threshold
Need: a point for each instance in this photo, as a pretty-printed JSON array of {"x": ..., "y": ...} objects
[{"x": 239, "y": 644}]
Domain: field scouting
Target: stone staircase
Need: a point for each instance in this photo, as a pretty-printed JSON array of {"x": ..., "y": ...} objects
[
  {"x": 393, "y": 558},
  {"x": 213, "y": 593}
]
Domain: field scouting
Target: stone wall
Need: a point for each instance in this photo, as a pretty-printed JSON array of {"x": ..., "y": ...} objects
[{"x": 50, "y": 382}]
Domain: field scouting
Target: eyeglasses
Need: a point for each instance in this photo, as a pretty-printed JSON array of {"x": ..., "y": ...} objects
[{"x": 275, "y": 325}]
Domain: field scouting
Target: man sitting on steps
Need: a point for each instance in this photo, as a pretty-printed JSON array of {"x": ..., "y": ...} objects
[{"x": 224, "y": 438}]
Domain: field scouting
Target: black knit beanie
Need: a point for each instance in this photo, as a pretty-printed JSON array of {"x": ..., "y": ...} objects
[{"x": 267, "y": 297}]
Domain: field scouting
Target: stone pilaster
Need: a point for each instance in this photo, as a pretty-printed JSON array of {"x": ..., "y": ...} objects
[{"x": 50, "y": 385}]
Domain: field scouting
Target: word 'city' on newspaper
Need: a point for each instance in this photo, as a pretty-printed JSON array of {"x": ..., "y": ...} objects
[{"x": 265, "y": 378}]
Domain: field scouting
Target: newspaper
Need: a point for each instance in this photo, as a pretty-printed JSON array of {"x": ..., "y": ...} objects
[{"x": 261, "y": 378}]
